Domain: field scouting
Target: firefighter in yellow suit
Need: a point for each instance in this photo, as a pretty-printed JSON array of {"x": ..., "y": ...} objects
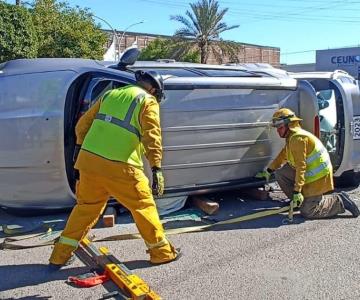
[
  {"x": 111, "y": 137},
  {"x": 304, "y": 172}
]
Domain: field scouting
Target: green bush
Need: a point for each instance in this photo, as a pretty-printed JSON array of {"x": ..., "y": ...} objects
[
  {"x": 168, "y": 48},
  {"x": 17, "y": 33},
  {"x": 64, "y": 31}
]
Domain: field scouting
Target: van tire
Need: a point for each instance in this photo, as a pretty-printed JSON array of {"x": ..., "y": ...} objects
[{"x": 347, "y": 179}]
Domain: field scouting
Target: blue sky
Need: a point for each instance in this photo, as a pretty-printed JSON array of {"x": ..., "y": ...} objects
[{"x": 298, "y": 27}]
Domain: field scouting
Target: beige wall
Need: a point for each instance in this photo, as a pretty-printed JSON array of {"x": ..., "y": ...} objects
[{"x": 249, "y": 53}]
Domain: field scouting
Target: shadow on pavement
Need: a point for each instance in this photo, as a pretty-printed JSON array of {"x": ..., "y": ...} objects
[
  {"x": 33, "y": 297},
  {"x": 40, "y": 273},
  {"x": 138, "y": 264}
]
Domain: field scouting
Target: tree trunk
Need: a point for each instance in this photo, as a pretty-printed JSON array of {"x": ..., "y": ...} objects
[{"x": 203, "y": 53}]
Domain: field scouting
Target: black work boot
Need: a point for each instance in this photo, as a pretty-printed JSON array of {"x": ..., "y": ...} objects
[{"x": 349, "y": 204}]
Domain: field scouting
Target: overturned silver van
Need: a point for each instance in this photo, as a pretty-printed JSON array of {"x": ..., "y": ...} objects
[{"x": 215, "y": 123}]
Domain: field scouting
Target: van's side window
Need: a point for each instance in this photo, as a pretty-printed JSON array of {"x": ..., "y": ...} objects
[
  {"x": 328, "y": 118},
  {"x": 96, "y": 89}
]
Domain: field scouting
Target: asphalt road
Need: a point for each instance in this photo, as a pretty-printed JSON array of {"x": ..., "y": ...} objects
[{"x": 259, "y": 259}]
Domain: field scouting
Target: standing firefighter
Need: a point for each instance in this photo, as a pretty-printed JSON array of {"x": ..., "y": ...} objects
[
  {"x": 111, "y": 138},
  {"x": 304, "y": 171}
]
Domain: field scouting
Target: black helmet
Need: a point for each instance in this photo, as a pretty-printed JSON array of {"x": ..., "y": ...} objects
[{"x": 155, "y": 79}]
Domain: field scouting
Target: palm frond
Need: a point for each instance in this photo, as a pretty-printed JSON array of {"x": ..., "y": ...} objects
[
  {"x": 204, "y": 24},
  {"x": 195, "y": 24},
  {"x": 184, "y": 33},
  {"x": 183, "y": 20},
  {"x": 221, "y": 27}
]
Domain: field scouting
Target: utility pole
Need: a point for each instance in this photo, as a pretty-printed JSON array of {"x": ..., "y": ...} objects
[
  {"x": 115, "y": 36},
  {"x": 124, "y": 32}
]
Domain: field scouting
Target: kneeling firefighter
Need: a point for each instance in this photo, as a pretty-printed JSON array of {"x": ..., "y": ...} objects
[
  {"x": 111, "y": 138},
  {"x": 304, "y": 171}
]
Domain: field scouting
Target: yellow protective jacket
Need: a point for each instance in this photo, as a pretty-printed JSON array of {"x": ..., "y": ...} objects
[
  {"x": 149, "y": 118},
  {"x": 115, "y": 134},
  {"x": 300, "y": 147}
]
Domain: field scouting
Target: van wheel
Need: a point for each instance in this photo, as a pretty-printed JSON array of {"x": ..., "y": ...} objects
[{"x": 347, "y": 179}]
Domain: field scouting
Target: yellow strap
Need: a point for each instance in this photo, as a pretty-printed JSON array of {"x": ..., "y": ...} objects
[{"x": 253, "y": 216}]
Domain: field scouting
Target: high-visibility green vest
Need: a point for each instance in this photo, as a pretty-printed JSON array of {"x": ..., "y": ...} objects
[
  {"x": 318, "y": 162},
  {"x": 115, "y": 133}
]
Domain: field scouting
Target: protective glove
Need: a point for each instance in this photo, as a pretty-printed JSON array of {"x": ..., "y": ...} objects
[
  {"x": 297, "y": 199},
  {"x": 264, "y": 174},
  {"x": 76, "y": 152},
  {"x": 157, "y": 182}
]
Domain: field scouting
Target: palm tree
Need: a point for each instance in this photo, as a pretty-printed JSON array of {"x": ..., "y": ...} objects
[{"x": 202, "y": 28}]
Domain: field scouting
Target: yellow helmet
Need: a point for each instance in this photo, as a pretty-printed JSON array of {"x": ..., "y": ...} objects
[{"x": 283, "y": 116}]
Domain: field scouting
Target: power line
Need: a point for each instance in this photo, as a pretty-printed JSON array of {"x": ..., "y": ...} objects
[
  {"x": 315, "y": 19},
  {"x": 299, "y": 52},
  {"x": 312, "y": 50},
  {"x": 295, "y": 15},
  {"x": 290, "y": 13}
]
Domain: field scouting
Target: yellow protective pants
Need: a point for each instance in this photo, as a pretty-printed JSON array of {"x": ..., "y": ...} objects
[{"x": 131, "y": 189}]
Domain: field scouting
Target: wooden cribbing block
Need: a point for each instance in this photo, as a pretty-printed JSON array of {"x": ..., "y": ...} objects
[
  {"x": 206, "y": 205},
  {"x": 109, "y": 217},
  {"x": 256, "y": 193}
]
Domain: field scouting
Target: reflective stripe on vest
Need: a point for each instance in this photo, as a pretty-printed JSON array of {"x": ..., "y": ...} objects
[
  {"x": 115, "y": 133},
  {"x": 324, "y": 165},
  {"x": 316, "y": 155},
  {"x": 68, "y": 241},
  {"x": 126, "y": 122},
  {"x": 318, "y": 162}
]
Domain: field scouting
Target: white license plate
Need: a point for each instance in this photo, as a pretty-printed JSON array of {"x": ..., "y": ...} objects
[{"x": 356, "y": 133}]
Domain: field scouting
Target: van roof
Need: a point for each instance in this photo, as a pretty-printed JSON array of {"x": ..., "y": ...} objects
[
  {"x": 167, "y": 68},
  {"x": 48, "y": 64},
  {"x": 320, "y": 74}
]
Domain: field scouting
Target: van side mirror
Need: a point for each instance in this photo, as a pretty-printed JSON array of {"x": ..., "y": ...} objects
[{"x": 129, "y": 57}]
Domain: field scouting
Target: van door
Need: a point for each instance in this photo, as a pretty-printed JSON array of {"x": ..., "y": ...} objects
[
  {"x": 337, "y": 95},
  {"x": 330, "y": 99},
  {"x": 351, "y": 92},
  {"x": 91, "y": 87},
  {"x": 307, "y": 107}
]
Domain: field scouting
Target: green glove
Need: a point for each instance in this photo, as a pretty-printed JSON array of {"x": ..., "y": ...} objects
[
  {"x": 158, "y": 181},
  {"x": 297, "y": 199},
  {"x": 263, "y": 175}
]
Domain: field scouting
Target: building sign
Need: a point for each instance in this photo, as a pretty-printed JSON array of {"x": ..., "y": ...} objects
[{"x": 345, "y": 60}]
